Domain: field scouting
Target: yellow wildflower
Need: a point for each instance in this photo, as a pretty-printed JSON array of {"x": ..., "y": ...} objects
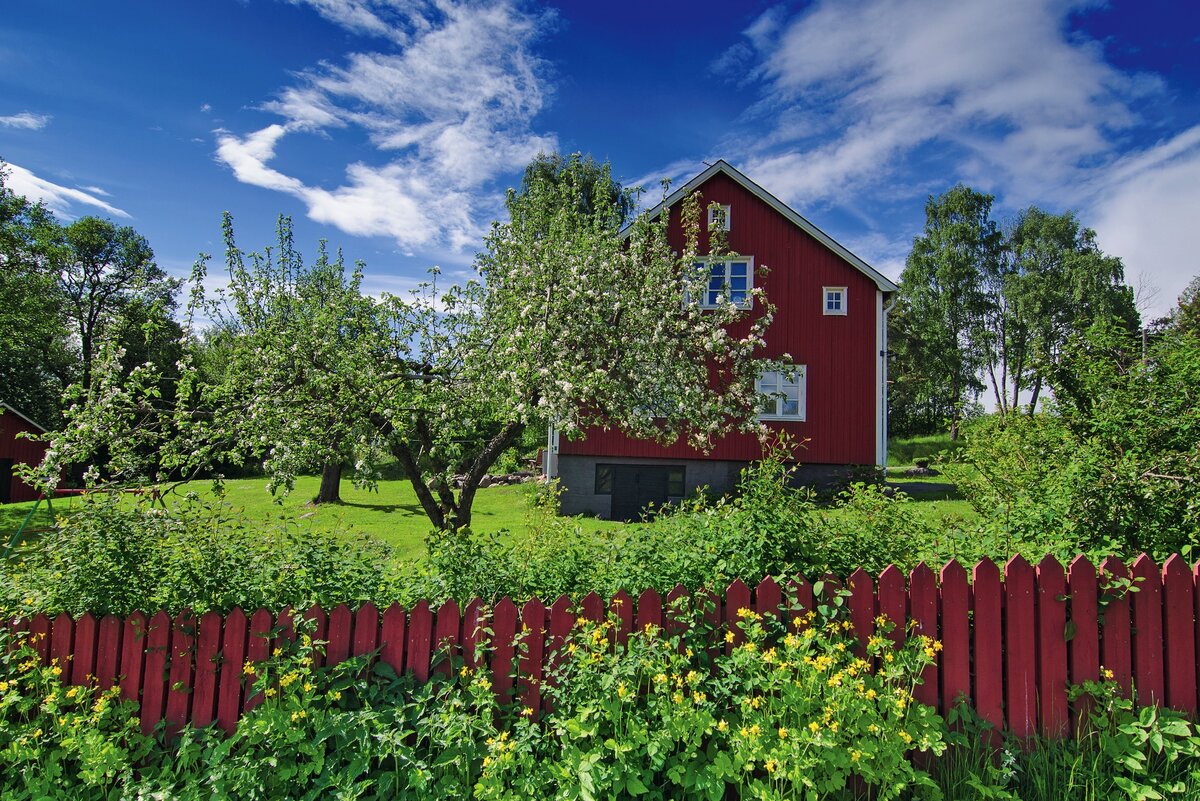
[
  {"x": 814, "y": 727},
  {"x": 722, "y": 726},
  {"x": 770, "y": 765},
  {"x": 783, "y": 732}
]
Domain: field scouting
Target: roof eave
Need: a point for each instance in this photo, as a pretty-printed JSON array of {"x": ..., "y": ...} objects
[{"x": 881, "y": 281}]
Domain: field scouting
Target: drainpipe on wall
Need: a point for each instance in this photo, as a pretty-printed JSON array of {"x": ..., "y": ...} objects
[
  {"x": 550, "y": 458},
  {"x": 884, "y": 388}
]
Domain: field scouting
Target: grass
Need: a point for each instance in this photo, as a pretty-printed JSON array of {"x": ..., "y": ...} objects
[
  {"x": 392, "y": 514},
  {"x": 905, "y": 450}
]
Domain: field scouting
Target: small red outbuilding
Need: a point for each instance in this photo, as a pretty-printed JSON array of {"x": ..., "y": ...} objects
[{"x": 16, "y": 450}]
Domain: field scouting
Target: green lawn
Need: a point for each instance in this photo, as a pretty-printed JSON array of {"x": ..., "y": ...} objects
[{"x": 391, "y": 514}]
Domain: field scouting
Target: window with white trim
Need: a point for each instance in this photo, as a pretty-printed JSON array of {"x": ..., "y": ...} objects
[
  {"x": 727, "y": 280},
  {"x": 782, "y": 393},
  {"x": 718, "y": 217},
  {"x": 835, "y": 300}
]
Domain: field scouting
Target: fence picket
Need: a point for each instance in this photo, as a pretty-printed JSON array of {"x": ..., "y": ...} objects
[
  {"x": 923, "y": 605},
  {"x": 133, "y": 653},
  {"x": 447, "y": 637},
  {"x": 986, "y": 602},
  {"x": 956, "y": 636},
  {"x": 1052, "y": 647},
  {"x": 208, "y": 654},
  {"x": 62, "y": 640},
  {"x": 154, "y": 672},
  {"x": 318, "y": 622},
  {"x": 1148, "y": 633},
  {"x": 391, "y": 637},
  {"x": 1178, "y": 635},
  {"x": 366, "y": 629},
  {"x": 39, "y": 637},
  {"x": 258, "y": 646},
  {"x": 533, "y": 630},
  {"x": 1115, "y": 652},
  {"x": 862, "y": 607},
  {"x": 504, "y": 632},
  {"x": 892, "y": 601},
  {"x": 768, "y": 598},
  {"x": 737, "y": 598},
  {"x": 83, "y": 654},
  {"x": 420, "y": 636},
  {"x": 472, "y": 632},
  {"x": 233, "y": 659},
  {"x": 800, "y": 600},
  {"x": 179, "y": 691},
  {"x": 340, "y": 635},
  {"x": 649, "y": 610},
  {"x": 108, "y": 651},
  {"x": 621, "y": 606},
  {"x": 1020, "y": 648}
]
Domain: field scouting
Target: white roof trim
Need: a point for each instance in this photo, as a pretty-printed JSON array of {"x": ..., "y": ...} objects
[
  {"x": 722, "y": 166},
  {"x": 38, "y": 426}
]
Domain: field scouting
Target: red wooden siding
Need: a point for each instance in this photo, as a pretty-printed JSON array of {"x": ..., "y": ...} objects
[
  {"x": 1007, "y": 647},
  {"x": 840, "y": 352},
  {"x": 20, "y": 450}
]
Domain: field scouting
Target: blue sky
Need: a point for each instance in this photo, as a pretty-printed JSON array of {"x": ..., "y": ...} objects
[{"x": 392, "y": 129}]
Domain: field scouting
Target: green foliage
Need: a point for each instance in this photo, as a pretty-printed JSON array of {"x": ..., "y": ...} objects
[
  {"x": 1117, "y": 751},
  {"x": 1113, "y": 470},
  {"x": 783, "y": 715},
  {"x": 113, "y": 557},
  {"x": 58, "y": 741},
  {"x": 906, "y": 450},
  {"x": 943, "y": 303}
]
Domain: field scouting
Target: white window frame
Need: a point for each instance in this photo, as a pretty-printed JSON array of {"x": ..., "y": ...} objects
[
  {"x": 772, "y": 382},
  {"x": 718, "y": 217},
  {"x": 705, "y": 265},
  {"x": 826, "y": 292}
]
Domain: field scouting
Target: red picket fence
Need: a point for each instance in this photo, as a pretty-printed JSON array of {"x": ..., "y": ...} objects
[{"x": 1012, "y": 643}]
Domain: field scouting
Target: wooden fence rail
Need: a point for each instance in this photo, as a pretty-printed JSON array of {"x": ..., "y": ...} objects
[{"x": 1013, "y": 641}]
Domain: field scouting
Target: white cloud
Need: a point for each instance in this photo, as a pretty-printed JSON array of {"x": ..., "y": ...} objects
[
  {"x": 449, "y": 108},
  {"x": 27, "y": 120},
  {"x": 59, "y": 199},
  {"x": 865, "y": 85},
  {"x": 1145, "y": 212}
]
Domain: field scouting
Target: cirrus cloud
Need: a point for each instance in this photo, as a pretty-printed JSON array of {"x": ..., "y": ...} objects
[{"x": 448, "y": 106}]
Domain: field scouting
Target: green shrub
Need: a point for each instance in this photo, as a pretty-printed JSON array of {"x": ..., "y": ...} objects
[{"x": 112, "y": 557}]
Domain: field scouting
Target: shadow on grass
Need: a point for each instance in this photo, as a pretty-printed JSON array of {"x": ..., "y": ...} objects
[{"x": 386, "y": 508}]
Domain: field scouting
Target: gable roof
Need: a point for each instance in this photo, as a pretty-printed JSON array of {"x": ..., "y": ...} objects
[
  {"x": 38, "y": 426},
  {"x": 722, "y": 166}
]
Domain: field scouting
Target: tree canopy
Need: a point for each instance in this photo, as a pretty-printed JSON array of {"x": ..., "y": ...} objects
[{"x": 569, "y": 320}]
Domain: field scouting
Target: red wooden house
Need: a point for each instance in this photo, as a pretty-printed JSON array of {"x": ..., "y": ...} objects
[
  {"x": 17, "y": 450},
  {"x": 831, "y": 310}
]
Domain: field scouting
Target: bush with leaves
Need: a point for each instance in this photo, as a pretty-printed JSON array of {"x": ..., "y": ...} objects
[
  {"x": 112, "y": 556},
  {"x": 1113, "y": 469}
]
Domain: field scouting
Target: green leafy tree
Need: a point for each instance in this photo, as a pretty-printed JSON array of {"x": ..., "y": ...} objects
[
  {"x": 298, "y": 361},
  {"x": 102, "y": 270},
  {"x": 571, "y": 321},
  {"x": 1186, "y": 316},
  {"x": 36, "y": 363},
  {"x": 1052, "y": 281},
  {"x": 944, "y": 301}
]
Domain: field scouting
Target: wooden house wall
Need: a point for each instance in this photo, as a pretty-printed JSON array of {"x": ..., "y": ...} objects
[{"x": 839, "y": 351}]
